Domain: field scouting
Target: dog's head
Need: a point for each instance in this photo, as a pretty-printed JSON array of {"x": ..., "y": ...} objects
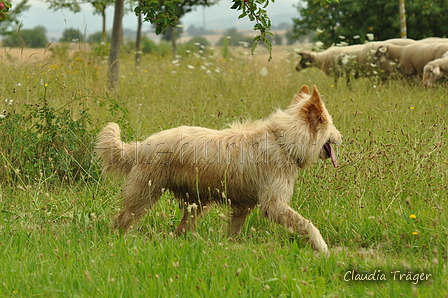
[{"x": 311, "y": 113}]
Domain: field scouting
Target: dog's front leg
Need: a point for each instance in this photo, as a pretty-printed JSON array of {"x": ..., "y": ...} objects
[{"x": 280, "y": 213}]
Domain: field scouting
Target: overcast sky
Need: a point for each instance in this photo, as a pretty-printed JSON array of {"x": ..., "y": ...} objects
[{"x": 219, "y": 16}]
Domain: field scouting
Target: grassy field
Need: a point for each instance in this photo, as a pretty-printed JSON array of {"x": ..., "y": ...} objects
[{"x": 383, "y": 212}]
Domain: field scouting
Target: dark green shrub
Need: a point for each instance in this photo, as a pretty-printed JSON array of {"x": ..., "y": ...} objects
[
  {"x": 42, "y": 144},
  {"x": 71, "y": 35},
  {"x": 232, "y": 37},
  {"x": 98, "y": 38},
  {"x": 199, "y": 40},
  {"x": 27, "y": 38}
]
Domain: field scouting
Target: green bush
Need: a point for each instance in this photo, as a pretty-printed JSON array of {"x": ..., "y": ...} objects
[
  {"x": 27, "y": 38},
  {"x": 147, "y": 46},
  {"x": 44, "y": 144},
  {"x": 233, "y": 37},
  {"x": 98, "y": 38},
  {"x": 71, "y": 34},
  {"x": 199, "y": 39}
]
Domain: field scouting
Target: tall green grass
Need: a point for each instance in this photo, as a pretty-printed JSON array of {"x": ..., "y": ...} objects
[{"x": 384, "y": 208}]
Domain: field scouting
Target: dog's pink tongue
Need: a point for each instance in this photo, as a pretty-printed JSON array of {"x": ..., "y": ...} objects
[{"x": 332, "y": 154}]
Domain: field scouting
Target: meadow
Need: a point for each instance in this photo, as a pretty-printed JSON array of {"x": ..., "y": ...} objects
[{"x": 383, "y": 211}]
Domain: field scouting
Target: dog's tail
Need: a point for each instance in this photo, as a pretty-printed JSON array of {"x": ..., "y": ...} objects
[{"x": 116, "y": 156}]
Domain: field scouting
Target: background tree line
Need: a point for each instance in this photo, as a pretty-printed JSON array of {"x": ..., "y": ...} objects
[{"x": 352, "y": 18}]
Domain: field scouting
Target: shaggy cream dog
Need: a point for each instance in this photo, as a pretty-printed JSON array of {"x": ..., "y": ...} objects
[{"x": 249, "y": 164}]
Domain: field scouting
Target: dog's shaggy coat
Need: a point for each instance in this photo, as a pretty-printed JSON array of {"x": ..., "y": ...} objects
[{"x": 247, "y": 165}]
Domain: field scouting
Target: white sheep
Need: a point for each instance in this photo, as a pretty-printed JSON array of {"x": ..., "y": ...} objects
[
  {"x": 434, "y": 70},
  {"x": 327, "y": 60},
  {"x": 433, "y": 39},
  {"x": 346, "y": 60},
  {"x": 411, "y": 58},
  {"x": 387, "y": 56},
  {"x": 366, "y": 56}
]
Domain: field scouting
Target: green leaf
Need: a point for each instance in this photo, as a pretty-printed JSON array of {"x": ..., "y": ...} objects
[
  {"x": 236, "y": 5},
  {"x": 242, "y": 15},
  {"x": 254, "y": 46}
]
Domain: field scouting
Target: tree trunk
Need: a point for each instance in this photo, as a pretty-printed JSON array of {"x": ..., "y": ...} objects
[
  {"x": 173, "y": 40},
  {"x": 115, "y": 45},
  {"x": 138, "y": 39},
  {"x": 103, "y": 32},
  {"x": 403, "y": 30}
]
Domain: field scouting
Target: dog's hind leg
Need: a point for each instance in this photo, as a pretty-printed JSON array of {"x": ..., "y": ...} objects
[
  {"x": 191, "y": 213},
  {"x": 138, "y": 198},
  {"x": 236, "y": 222},
  {"x": 280, "y": 213}
]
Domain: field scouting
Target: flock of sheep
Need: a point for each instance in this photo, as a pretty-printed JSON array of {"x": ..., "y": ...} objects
[{"x": 425, "y": 59}]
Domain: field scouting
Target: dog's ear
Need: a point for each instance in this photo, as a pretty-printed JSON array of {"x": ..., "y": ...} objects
[
  {"x": 304, "y": 92},
  {"x": 314, "y": 111},
  {"x": 305, "y": 89}
]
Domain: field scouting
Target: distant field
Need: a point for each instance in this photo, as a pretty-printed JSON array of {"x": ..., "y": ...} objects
[
  {"x": 29, "y": 55},
  {"x": 383, "y": 212}
]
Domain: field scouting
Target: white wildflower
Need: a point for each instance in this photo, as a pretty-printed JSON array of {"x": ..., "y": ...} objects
[
  {"x": 356, "y": 37},
  {"x": 244, "y": 44},
  {"x": 370, "y": 36},
  {"x": 342, "y": 44},
  {"x": 319, "y": 44},
  {"x": 190, "y": 66},
  {"x": 264, "y": 71}
]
